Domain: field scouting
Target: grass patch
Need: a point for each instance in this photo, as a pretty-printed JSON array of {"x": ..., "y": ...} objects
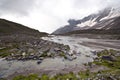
[
  {"x": 62, "y": 54},
  {"x": 4, "y": 52},
  {"x": 114, "y": 70},
  {"x": 110, "y": 64},
  {"x": 29, "y": 77}
]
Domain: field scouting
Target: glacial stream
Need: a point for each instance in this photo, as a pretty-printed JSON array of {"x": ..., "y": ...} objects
[
  {"x": 83, "y": 46},
  {"x": 73, "y": 42}
]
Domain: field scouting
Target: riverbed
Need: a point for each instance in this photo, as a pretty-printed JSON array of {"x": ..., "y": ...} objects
[{"x": 84, "y": 48}]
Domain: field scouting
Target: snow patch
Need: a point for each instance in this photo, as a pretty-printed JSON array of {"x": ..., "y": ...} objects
[
  {"x": 87, "y": 23},
  {"x": 114, "y": 13}
]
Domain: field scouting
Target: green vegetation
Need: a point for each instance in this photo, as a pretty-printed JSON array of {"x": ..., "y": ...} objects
[
  {"x": 29, "y": 77},
  {"x": 112, "y": 65},
  {"x": 62, "y": 54},
  {"x": 67, "y": 47},
  {"x": 4, "y": 52},
  {"x": 44, "y": 54},
  {"x": 44, "y": 77},
  {"x": 2, "y": 79},
  {"x": 112, "y": 60},
  {"x": 8, "y": 49},
  {"x": 69, "y": 76},
  {"x": 47, "y": 54},
  {"x": 102, "y": 53},
  {"x": 112, "y": 73},
  {"x": 107, "y": 52},
  {"x": 26, "y": 50},
  {"x": 84, "y": 74}
]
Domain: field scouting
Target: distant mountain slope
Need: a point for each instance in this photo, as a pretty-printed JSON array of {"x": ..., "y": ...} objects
[
  {"x": 106, "y": 19},
  {"x": 9, "y": 27}
]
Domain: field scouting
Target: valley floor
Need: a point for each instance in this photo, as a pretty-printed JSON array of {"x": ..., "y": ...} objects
[
  {"x": 78, "y": 42},
  {"x": 84, "y": 48}
]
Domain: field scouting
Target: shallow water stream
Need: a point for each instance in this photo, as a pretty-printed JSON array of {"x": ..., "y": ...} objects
[{"x": 83, "y": 46}]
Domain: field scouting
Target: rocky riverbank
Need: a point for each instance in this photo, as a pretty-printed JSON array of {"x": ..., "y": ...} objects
[
  {"x": 31, "y": 48},
  {"x": 106, "y": 66},
  {"x": 28, "y": 54},
  {"x": 54, "y": 56}
]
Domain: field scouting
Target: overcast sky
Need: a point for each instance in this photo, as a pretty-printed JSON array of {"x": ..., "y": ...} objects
[{"x": 48, "y": 15}]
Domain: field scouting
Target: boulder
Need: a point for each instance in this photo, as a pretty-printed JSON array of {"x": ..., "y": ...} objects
[
  {"x": 39, "y": 61},
  {"x": 57, "y": 49},
  {"x": 109, "y": 58},
  {"x": 24, "y": 53},
  {"x": 117, "y": 54}
]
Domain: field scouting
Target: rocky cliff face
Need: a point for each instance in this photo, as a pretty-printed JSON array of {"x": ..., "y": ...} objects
[{"x": 106, "y": 19}]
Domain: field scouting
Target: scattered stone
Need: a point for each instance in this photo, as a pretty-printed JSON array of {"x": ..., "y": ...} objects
[
  {"x": 109, "y": 58},
  {"x": 40, "y": 61},
  {"x": 23, "y": 54},
  {"x": 117, "y": 54},
  {"x": 33, "y": 48},
  {"x": 57, "y": 49}
]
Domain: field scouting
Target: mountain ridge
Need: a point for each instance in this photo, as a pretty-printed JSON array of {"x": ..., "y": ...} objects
[
  {"x": 8, "y": 27},
  {"x": 108, "y": 18}
]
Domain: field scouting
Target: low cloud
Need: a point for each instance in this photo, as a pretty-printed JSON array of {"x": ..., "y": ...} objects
[
  {"x": 16, "y": 7},
  {"x": 48, "y": 15}
]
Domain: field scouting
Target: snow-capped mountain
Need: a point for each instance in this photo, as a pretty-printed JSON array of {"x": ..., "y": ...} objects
[{"x": 109, "y": 18}]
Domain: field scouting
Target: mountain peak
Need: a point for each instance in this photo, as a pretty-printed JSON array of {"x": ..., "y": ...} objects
[{"x": 100, "y": 20}]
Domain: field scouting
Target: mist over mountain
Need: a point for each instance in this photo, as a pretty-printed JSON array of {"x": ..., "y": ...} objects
[
  {"x": 106, "y": 19},
  {"x": 46, "y": 15}
]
